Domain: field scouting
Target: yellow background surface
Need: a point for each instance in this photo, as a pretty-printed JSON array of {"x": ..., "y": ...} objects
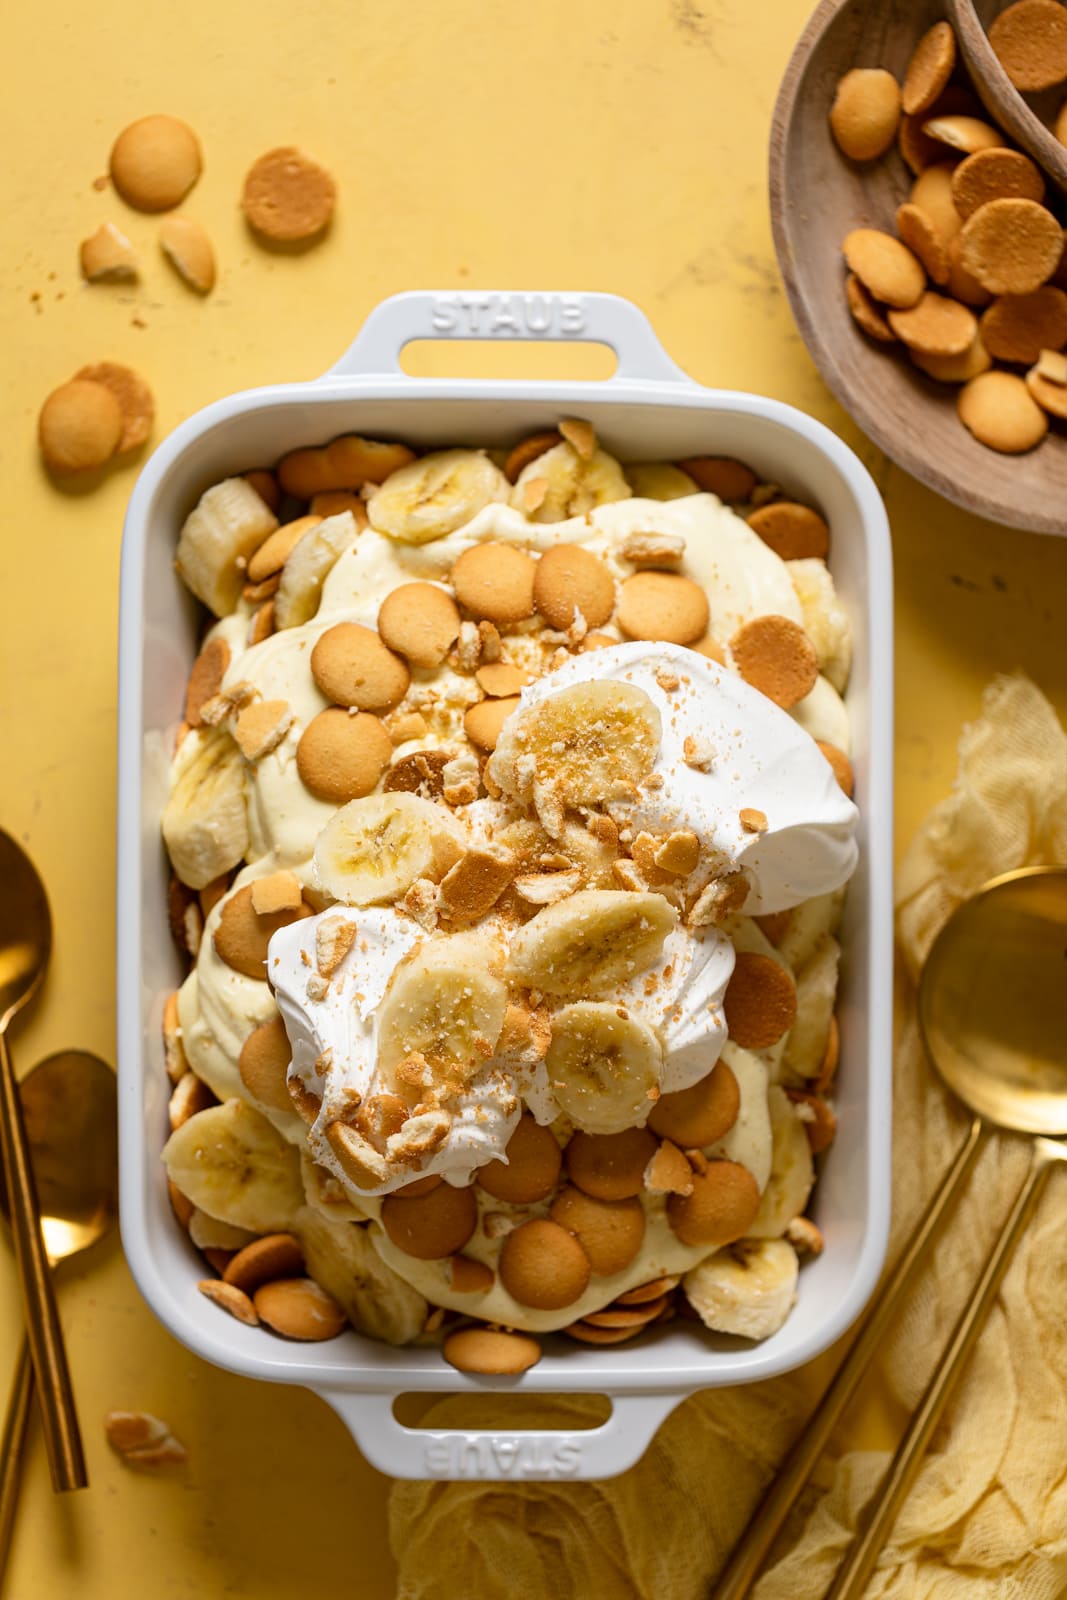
[{"x": 607, "y": 144}]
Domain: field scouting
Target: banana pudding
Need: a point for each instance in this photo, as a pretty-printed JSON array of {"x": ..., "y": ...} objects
[{"x": 510, "y": 822}]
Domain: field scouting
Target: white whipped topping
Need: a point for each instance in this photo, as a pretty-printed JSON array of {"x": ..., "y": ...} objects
[
  {"x": 680, "y": 999},
  {"x": 334, "y": 1040},
  {"x": 760, "y": 759}
]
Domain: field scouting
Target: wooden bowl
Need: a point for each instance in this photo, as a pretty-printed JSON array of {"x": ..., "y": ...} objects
[{"x": 817, "y": 196}]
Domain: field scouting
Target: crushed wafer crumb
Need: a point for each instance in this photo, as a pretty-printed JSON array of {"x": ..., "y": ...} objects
[
  {"x": 698, "y": 752},
  {"x": 142, "y": 1440}
]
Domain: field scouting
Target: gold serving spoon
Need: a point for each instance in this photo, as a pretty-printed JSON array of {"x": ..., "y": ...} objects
[
  {"x": 25, "y": 945},
  {"x": 69, "y": 1106},
  {"x": 993, "y": 1015}
]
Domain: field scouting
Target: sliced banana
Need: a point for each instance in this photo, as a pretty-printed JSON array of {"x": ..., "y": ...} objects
[
  {"x": 603, "y": 1068},
  {"x": 205, "y": 821},
  {"x": 659, "y": 480},
  {"x": 809, "y": 923},
  {"x": 823, "y": 714},
  {"x": 816, "y": 992},
  {"x": 750, "y": 1141},
  {"x": 436, "y": 495},
  {"x": 748, "y": 1289},
  {"x": 228, "y": 524},
  {"x": 208, "y": 1233},
  {"x": 562, "y": 484},
  {"x": 342, "y": 1259},
  {"x": 308, "y": 567},
  {"x": 825, "y": 621},
  {"x": 234, "y": 1165},
  {"x": 578, "y": 845},
  {"x": 590, "y": 941},
  {"x": 445, "y": 1003},
  {"x": 372, "y": 850},
  {"x": 580, "y": 746},
  {"x": 591, "y": 853},
  {"x": 792, "y": 1172}
]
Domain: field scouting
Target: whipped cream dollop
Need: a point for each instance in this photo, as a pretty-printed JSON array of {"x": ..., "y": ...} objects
[
  {"x": 333, "y": 1034},
  {"x": 681, "y": 999},
  {"x": 724, "y": 749}
]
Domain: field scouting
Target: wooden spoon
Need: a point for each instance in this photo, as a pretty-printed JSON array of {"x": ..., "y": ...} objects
[{"x": 997, "y": 92}]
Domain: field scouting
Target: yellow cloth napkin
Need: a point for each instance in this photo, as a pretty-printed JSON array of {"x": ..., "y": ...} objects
[{"x": 987, "y": 1517}]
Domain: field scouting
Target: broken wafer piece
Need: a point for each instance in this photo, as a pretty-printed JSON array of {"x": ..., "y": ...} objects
[
  {"x": 107, "y": 256},
  {"x": 279, "y": 891},
  {"x": 334, "y": 938},
  {"x": 187, "y": 247},
  {"x": 653, "y": 550},
  {"x": 581, "y": 435},
  {"x": 668, "y": 1172},
  {"x": 260, "y": 727},
  {"x": 143, "y": 1440},
  {"x": 1051, "y": 365}
]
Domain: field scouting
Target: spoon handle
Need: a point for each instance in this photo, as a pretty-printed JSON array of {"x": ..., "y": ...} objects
[
  {"x": 862, "y": 1557},
  {"x": 58, "y": 1416},
  {"x": 999, "y": 95},
  {"x": 12, "y": 1441},
  {"x": 742, "y": 1569}
]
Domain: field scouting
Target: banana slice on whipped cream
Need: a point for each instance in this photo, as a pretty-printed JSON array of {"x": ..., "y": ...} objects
[{"x": 729, "y": 766}]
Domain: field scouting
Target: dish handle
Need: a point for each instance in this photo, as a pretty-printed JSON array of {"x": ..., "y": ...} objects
[
  {"x": 497, "y": 1457},
  {"x": 570, "y": 318}
]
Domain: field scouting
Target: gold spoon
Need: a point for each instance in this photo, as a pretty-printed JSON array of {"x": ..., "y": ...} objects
[
  {"x": 993, "y": 1014},
  {"x": 68, "y": 1105},
  {"x": 25, "y": 945}
]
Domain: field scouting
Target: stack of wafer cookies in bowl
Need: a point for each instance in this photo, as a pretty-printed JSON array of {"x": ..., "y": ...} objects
[
  {"x": 971, "y": 286},
  {"x": 918, "y": 204}
]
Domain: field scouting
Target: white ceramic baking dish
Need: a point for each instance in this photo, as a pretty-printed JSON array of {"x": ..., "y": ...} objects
[{"x": 649, "y": 409}]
